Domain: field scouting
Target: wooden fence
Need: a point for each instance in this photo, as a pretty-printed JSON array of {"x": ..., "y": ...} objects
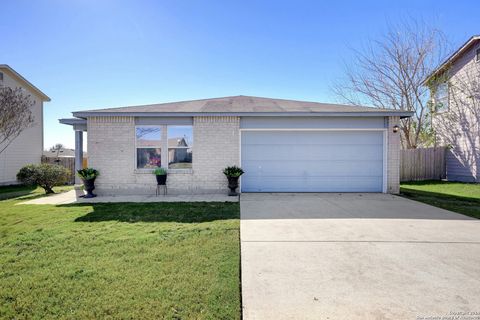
[
  {"x": 422, "y": 164},
  {"x": 68, "y": 163}
]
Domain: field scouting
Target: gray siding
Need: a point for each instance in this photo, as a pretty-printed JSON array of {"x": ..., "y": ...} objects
[
  {"x": 310, "y": 123},
  {"x": 462, "y": 162},
  {"x": 457, "y": 170}
]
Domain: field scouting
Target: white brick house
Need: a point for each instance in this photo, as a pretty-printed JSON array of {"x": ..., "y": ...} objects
[{"x": 283, "y": 146}]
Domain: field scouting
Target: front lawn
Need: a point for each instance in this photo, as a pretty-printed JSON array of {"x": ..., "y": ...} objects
[
  {"x": 454, "y": 196},
  {"x": 121, "y": 260}
]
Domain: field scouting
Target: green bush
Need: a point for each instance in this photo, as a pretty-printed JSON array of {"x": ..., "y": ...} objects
[
  {"x": 88, "y": 173},
  {"x": 44, "y": 175},
  {"x": 233, "y": 171},
  {"x": 160, "y": 171}
]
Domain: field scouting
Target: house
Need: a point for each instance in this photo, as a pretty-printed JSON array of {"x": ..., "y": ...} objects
[
  {"x": 455, "y": 91},
  {"x": 62, "y": 153},
  {"x": 282, "y": 145},
  {"x": 27, "y": 148}
]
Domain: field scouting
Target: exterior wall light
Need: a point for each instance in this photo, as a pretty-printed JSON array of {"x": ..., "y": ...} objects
[{"x": 395, "y": 128}]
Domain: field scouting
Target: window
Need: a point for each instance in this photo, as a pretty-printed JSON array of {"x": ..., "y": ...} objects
[
  {"x": 477, "y": 55},
  {"x": 180, "y": 143},
  {"x": 441, "y": 97},
  {"x": 149, "y": 146}
]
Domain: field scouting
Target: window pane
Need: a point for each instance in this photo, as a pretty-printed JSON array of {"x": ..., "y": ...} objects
[
  {"x": 148, "y": 136},
  {"x": 148, "y": 158},
  {"x": 179, "y": 158},
  {"x": 441, "y": 97},
  {"x": 180, "y": 136}
]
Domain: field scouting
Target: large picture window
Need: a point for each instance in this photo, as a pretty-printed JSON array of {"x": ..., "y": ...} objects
[
  {"x": 176, "y": 140},
  {"x": 149, "y": 146},
  {"x": 180, "y": 143}
]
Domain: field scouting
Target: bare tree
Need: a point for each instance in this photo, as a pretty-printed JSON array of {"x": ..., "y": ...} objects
[
  {"x": 459, "y": 125},
  {"x": 389, "y": 73},
  {"x": 15, "y": 114}
]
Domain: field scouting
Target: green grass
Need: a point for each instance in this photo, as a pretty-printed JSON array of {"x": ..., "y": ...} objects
[
  {"x": 459, "y": 197},
  {"x": 13, "y": 191},
  {"x": 121, "y": 260}
]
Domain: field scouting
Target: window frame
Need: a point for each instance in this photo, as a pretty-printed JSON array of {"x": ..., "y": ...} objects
[
  {"x": 447, "y": 97},
  {"x": 164, "y": 153},
  {"x": 139, "y": 147},
  {"x": 181, "y": 147}
]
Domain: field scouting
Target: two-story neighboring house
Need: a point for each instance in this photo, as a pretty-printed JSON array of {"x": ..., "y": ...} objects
[
  {"x": 28, "y": 146},
  {"x": 455, "y": 92}
]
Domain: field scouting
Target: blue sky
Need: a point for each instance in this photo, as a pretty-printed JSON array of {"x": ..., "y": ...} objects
[{"x": 89, "y": 54}]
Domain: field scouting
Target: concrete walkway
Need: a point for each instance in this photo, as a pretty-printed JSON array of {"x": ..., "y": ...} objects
[
  {"x": 73, "y": 196},
  {"x": 356, "y": 256}
]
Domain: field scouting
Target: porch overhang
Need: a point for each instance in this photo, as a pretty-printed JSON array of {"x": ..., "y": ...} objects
[{"x": 77, "y": 123}]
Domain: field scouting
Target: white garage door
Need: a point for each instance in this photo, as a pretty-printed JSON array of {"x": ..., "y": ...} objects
[{"x": 312, "y": 161}]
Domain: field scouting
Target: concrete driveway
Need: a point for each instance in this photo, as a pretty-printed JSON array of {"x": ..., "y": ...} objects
[{"x": 356, "y": 256}]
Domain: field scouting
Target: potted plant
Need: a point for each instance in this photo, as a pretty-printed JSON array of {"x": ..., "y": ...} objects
[
  {"x": 88, "y": 176},
  {"x": 233, "y": 173},
  {"x": 161, "y": 175}
]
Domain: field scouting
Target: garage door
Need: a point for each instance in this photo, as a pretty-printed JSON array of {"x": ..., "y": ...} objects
[{"x": 312, "y": 161}]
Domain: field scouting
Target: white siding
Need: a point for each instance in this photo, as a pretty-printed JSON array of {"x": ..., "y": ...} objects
[{"x": 28, "y": 146}]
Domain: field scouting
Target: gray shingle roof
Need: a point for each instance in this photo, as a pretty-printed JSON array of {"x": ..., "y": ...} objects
[{"x": 236, "y": 105}]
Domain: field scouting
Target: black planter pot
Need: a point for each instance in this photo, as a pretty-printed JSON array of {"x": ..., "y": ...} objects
[
  {"x": 89, "y": 186},
  {"x": 232, "y": 185},
  {"x": 161, "y": 179}
]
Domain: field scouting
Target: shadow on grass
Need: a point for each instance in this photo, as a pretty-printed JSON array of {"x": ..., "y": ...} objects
[
  {"x": 182, "y": 212},
  {"x": 465, "y": 205},
  {"x": 9, "y": 192}
]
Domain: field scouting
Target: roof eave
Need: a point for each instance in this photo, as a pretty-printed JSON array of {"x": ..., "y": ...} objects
[
  {"x": 452, "y": 57},
  {"x": 28, "y": 83},
  {"x": 401, "y": 114}
]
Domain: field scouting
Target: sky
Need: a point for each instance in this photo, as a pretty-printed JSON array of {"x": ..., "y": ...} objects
[{"x": 89, "y": 54}]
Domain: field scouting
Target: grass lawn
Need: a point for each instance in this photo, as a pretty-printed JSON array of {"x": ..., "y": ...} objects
[
  {"x": 119, "y": 260},
  {"x": 454, "y": 196}
]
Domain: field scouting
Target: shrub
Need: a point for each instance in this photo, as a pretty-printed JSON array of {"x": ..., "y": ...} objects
[
  {"x": 233, "y": 171},
  {"x": 88, "y": 173},
  {"x": 44, "y": 175},
  {"x": 160, "y": 171}
]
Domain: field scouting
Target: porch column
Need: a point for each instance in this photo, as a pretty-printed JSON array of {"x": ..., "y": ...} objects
[{"x": 78, "y": 154}]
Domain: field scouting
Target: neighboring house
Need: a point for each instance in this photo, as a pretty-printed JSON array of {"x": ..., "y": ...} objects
[
  {"x": 62, "y": 153},
  {"x": 282, "y": 145},
  {"x": 455, "y": 92},
  {"x": 28, "y": 146}
]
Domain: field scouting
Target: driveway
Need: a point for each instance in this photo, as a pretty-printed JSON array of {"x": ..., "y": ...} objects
[{"x": 356, "y": 256}]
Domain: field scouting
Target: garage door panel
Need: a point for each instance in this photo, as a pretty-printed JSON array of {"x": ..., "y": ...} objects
[
  {"x": 311, "y": 137},
  {"x": 312, "y": 184},
  {"x": 312, "y": 152},
  {"x": 311, "y": 168},
  {"x": 312, "y": 161}
]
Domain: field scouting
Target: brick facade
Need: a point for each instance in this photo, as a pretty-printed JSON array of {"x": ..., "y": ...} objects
[
  {"x": 393, "y": 156},
  {"x": 111, "y": 148},
  {"x": 111, "y": 145}
]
